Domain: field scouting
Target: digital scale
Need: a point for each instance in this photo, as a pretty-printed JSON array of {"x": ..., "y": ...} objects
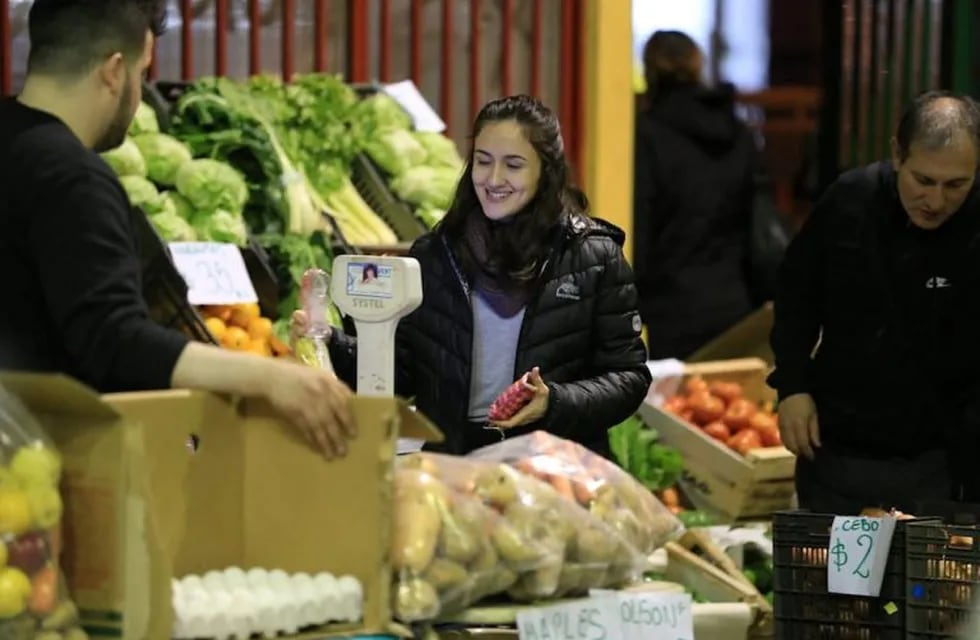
[{"x": 376, "y": 292}]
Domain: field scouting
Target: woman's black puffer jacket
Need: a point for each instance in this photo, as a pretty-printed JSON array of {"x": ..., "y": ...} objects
[{"x": 581, "y": 328}]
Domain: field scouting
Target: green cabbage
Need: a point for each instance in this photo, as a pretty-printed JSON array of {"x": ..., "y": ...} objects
[
  {"x": 220, "y": 226},
  {"x": 381, "y": 111},
  {"x": 441, "y": 151},
  {"x": 126, "y": 159},
  {"x": 142, "y": 194},
  {"x": 178, "y": 204},
  {"x": 210, "y": 185},
  {"x": 172, "y": 228},
  {"x": 395, "y": 150},
  {"x": 163, "y": 155},
  {"x": 427, "y": 187},
  {"x": 145, "y": 121}
]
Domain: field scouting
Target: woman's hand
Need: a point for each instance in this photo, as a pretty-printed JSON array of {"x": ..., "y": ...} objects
[
  {"x": 299, "y": 325},
  {"x": 533, "y": 410}
]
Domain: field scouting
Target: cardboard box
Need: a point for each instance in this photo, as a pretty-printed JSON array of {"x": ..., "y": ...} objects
[
  {"x": 717, "y": 479},
  {"x": 163, "y": 484}
]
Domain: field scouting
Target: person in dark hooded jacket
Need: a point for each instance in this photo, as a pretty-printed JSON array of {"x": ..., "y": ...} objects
[
  {"x": 518, "y": 280},
  {"x": 694, "y": 172}
]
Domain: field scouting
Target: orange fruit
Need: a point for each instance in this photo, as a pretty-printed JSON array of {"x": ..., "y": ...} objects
[
  {"x": 235, "y": 338},
  {"x": 44, "y": 592},
  {"x": 260, "y": 346},
  {"x": 220, "y": 311},
  {"x": 216, "y": 327},
  {"x": 259, "y": 328}
]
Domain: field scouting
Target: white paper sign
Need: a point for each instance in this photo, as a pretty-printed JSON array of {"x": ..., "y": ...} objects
[
  {"x": 586, "y": 619},
  {"x": 215, "y": 273},
  {"x": 411, "y": 100},
  {"x": 655, "y": 616},
  {"x": 857, "y": 554}
]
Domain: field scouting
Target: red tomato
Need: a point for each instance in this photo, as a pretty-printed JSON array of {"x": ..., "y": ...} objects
[
  {"x": 705, "y": 407},
  {"x": 762, "y": 422},
  {"x": 694, "y": 385},
  {"x": 675, "y": 405},
  {"x": 738, "y": 414},
  {"x": 718, "y": 430},
  {"x": 771, "y": 438},
  {"x": 727, "y": 391},
  {"x": 745, "y": 441},
  {"x": 687, "y": 415}
]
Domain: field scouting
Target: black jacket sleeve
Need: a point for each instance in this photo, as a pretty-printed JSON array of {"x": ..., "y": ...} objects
[
  {"x": 86, "y": 257},
  {"x": 582, "y": 409},
  {"x": 797, "y": 305}
]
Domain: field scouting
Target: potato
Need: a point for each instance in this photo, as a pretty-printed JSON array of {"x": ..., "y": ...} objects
[
  {"x": 415, "y": 532},
  {"x": 594, "y": 543},
  {"x": 415, "y": 600},
  {"x": 446, "y": 575},
  {"x": 498, "y": 485},
  {"x": 457, "y": 541}
]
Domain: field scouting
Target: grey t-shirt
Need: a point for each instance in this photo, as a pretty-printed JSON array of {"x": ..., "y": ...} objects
[{"x": 495, "y": 341}]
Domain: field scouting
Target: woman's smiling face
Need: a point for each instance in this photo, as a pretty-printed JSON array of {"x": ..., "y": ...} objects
[{"x": 506, "y": 169}]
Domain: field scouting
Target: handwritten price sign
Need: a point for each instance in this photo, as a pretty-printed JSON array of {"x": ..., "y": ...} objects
[
  {"x": 655, "y": 616},
  {"x": 857, "y": 555},
  {"x": 587, "y": 619},
  {"x": 215, "y": 273},
  {"x": 612, "y": 615}
]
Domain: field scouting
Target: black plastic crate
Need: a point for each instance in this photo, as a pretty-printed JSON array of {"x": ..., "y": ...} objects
[
  {"x": 803, "y": 608},
  {"x": 942, "y": 576},
  {"x": 370, "y": 182}
]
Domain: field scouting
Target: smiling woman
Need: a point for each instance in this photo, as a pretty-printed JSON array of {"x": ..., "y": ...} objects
[{"x": 519, "y": 283}]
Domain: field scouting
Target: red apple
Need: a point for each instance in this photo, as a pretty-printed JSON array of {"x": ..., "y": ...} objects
[{"x": 28, "y": 552}]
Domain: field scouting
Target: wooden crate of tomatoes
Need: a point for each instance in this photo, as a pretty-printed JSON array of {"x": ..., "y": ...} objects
[{"x": 721, "y": 421}]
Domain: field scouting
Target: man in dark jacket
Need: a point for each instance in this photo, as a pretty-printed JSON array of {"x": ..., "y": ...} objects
[
  {"x": 694, "y": 186},
  {"x": 875, "y": 337}
]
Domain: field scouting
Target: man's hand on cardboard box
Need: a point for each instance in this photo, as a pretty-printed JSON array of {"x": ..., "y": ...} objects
[{"x": 316, "y": 402}]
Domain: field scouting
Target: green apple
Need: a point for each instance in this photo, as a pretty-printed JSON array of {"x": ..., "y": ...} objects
[{"x": 36, "y": 465}]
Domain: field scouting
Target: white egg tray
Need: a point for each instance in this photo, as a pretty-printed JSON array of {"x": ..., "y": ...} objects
[{"x": 235, "y": 604}]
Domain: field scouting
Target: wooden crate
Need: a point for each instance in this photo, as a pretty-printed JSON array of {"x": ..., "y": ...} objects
[{"x": 717, "y": 479}]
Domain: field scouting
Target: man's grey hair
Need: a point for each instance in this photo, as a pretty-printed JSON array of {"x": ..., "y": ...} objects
[{"x": 934, "y": 119}]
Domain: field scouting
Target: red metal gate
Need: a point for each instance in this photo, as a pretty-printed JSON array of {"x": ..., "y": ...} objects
[{"x": 460, "y": 53}]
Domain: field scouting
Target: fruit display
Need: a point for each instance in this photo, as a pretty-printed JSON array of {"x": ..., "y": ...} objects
[
  {"x": 33, "y": 602},
  {"x": 592, "y": 483},
  {"x": 721, "y": 411},
  {"x": 241, "y": 327},
  {"x": 466, "y": 529}
]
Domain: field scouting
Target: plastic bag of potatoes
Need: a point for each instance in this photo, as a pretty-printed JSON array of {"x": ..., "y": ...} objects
[
  {"x": 442, "y": 550},
  {"x": 595, "y": 484},
  {"x": 549, "y": 545}
]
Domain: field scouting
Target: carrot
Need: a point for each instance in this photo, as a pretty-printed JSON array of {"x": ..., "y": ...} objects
[
  {"x": 675, "y": 509},
  {"x": 583, "y": 494},
  {"x": 670, "y": 497},
  {"x": 563, "y": 486}
]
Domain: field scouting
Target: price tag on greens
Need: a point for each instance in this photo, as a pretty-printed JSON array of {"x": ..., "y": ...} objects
[
  {"x": 857, "y": 554},
  {"x": 655, "y": 616},
  {"x": 215, "y": 273},
  {"x": 594, "y": 618},
  {"x": 413, "y": 102}
]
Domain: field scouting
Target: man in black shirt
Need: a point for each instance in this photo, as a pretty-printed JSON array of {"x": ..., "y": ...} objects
[
  {"x": 69, "y": 266},
  {"x": 875, "y": 333}
]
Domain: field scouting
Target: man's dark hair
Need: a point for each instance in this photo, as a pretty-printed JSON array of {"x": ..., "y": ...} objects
[
  {"x": 934, "y": 118},
  {"x": 70, "y": 37}
]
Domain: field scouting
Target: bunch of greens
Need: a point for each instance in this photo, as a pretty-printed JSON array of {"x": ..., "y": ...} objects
[
  {"x": 637, "y": 450},
  {"x": 291, "y": 256}
]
